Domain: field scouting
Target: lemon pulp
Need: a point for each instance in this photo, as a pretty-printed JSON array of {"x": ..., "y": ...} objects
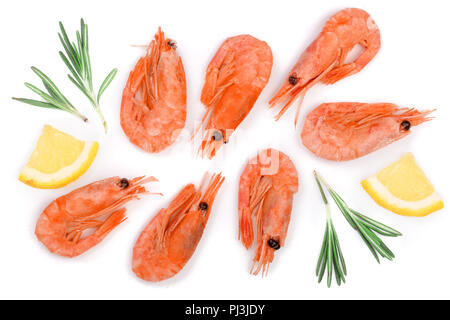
[
  {"x": 403, "y": 188},
  {"x": 57, "y": 159}
]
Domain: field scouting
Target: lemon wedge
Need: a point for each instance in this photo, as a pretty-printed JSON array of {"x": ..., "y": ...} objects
[
  {"x": 57, "y": 160},
  {"x": 404, "y": 189}
]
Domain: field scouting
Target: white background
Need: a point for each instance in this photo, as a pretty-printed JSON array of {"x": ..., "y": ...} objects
[{"x": 411, "y": 69}]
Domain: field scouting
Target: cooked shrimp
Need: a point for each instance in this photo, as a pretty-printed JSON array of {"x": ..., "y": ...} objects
[
  {"x": 347, "y": 130},
  {"x": 266, "y": 190},
  {"x": 97, "y": 206},
  {"x": 153, "y": 110},
  {"x": 234, "y": 79},
  {"x": 324, "y": 59},
  {"x": 170, "y": 239}
]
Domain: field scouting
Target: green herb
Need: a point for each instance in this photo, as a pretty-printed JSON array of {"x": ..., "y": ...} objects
[
  {"x": 54, "y": 99},
  {"x": 330, "y": 255},
  {"x": 78, "y": 62},
  {"x": 366, "y": 227}
]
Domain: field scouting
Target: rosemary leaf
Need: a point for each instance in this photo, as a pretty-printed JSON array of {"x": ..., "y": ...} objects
[
  {"x": 46, "y": 96},
  {"x": 343, "y": 207},
  {"x": 54, "y": 99},
  {"x": 376, "y": 229},
  {"x": 373, "y": 240},
  {"x": 388, "y": 230},
  {"x": 322, "y": 193},
  {"x": 324, "y": 263},
  {"x": 37, "y": 103},
  {"x": 51, "y": 87},
  {"x": 330, "y": 256},
  {"x": 322, "y": 251},
  {"x": 80, "y": 52},
  {"x": 371, "y": 248},
  {"x": 335, "y": 256},
  {"x": 69, "y": 48},
  {"x": 339, "y": 252},
  {"x": 106, "y": 83},
  {"x": 70, "y": 67},
  {"x": 79, "y": 86},
  {"x": 77, "y": 60},
  {"x": 365, "y": 226},
  {"x": 50, "y": 91}
]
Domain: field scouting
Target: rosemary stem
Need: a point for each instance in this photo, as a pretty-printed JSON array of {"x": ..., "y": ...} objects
[
  {"x": 79, "y": 115},
  {"x": 96, "y": 106},
  {"x": 365, "y": 226},
  {"x": 328, "y": 212},
  {"x": 102, "y": 118},
  {"x": 322, "y": 180}
]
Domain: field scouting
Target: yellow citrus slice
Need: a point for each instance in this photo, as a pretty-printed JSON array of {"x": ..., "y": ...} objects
[
  {"x": 404, "y": 189},
  {"x": 57, "y": 160}
]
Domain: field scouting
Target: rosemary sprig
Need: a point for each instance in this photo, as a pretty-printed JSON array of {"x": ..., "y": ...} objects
[
  {"x": 366, "y": 227},
  {"x": 77, "y": 60},
  {"x": 54, "y": 99},
  {"x": 331, "y": 254}
]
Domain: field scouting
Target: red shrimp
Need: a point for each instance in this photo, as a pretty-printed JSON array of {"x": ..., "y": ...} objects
[
  {"x": 324, "y": 59},
  {"x": 349, "y": 130},
  {"x": 234, "y": 79},
  {"x": 167, "y": 243},
  {"x": 266, "y": 190},
  {"x": 98, "y": 206},
  {"x": 153, "y": 111}
]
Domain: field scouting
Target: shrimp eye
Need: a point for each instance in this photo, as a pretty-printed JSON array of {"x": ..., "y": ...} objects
[
  {"x": 217, "y": 136},
  {"x": 405, "y": 125},
  {"x": 203, "y": 206},
  {"x": 293, "y": 79},
  {"x": 274, "y": 244},
  {"x": 123, "y": 183},
  {"x": 172, "y": 43}
]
